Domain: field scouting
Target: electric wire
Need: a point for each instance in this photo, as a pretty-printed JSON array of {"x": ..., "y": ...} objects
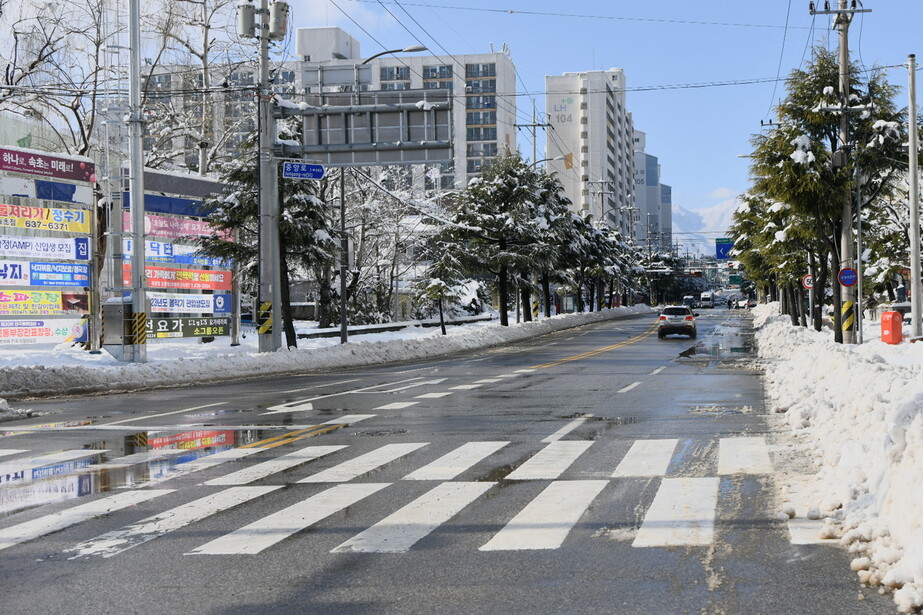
[{"x": 775, "y": 86}]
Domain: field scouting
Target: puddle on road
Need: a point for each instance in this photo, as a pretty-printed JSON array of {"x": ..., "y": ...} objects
[{"x": 131, "y": 460}]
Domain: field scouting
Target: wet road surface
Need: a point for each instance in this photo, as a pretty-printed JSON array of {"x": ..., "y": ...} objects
[{"x": 596, "y": 470}]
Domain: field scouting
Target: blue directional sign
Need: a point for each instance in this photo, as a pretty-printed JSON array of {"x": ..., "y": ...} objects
[
  {"x": 302, "y": 170},
  {"x": 723, "y": 247}
]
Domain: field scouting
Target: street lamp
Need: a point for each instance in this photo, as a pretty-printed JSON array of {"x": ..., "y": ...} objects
[
  {"x": 409, "y": 49},
  {"x": 546, "y": 160}
]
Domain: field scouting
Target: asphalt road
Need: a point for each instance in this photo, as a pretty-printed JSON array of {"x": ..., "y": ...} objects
[{"x": 595, "y": 470}]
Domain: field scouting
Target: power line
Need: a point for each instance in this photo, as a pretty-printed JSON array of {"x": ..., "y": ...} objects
[{"x": 775, "y": 86}]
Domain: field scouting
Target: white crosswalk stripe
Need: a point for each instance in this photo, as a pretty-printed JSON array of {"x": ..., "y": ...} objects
[
  {"x": 550, "y": 462},
  {"x": 647, "y": 458},
  {"x": 279, "y": 464},
  {"x": 454, "y": 463},
  {"x": 363, "y": 464},
  {"x": 743, "y": 456},
  {"x": 11, "y": 451},
  {"x": 262, "y": 534},
  {"x": 42, "y": 526},
  {"x": 682, "y": 513},
  {"x": 113, "y": 543},
  {"x": 403, "y": 529},
  {"x": 546, "y": 521}
]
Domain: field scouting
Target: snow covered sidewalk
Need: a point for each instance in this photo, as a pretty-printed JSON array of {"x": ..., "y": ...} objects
[
  {"x": 858, "y": 412},
  {"x": 26, "y": 372}
]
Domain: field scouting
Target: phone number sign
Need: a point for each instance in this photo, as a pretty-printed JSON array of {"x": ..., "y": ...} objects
[{"x": 161, "y": 328}]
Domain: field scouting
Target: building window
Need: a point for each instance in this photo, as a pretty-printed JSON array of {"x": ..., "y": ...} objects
[
  {"x": 482, "y": 134},
  {"x": 437, "y": 72},
  {"x": 476, "y": 71},
  {"x": 479, "y": 86},
  {"x": 395, "y": 85},
  {"x": 395, "y": 73},
  {"x": 481, "y": 150},
  {"x": 481, "y": 102},
  {"x": 481, "y": 118},
  {"x": 437, "y": 85}
]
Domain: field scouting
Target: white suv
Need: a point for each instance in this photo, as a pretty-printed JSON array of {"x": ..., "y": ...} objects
[{"x": 676, "y": 319}]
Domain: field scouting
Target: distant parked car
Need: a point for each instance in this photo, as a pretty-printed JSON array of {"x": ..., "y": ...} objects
[{"x": 676, "y": 319}]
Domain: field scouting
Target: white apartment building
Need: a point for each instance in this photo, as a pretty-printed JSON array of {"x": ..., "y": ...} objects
[
  {"x": 589, "y": 123},
  {"x": 482, "y": 87}
]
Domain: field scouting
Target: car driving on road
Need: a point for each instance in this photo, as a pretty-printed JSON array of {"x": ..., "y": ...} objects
[{"x": 676, "y": 319}]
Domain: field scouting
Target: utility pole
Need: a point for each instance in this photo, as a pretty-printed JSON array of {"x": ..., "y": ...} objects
[
  {"x": 916, "y": 296},
  {"x": 138, "y": 323},
  {"x": 534, "y": 125},
  {"x": 843, "y": 19}
]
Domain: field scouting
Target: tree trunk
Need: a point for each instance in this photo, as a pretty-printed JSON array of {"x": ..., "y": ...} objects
[
  {"x": 325, "y": 296},
  {"x": 525, "y": 293},
  {"x": 792, "y": 306},
  {"x": 288, "y": 325},
  {"x": 503, "y": 287},
  {"x": 546, "y": 293},
  {"x": 441, "y": 318}
]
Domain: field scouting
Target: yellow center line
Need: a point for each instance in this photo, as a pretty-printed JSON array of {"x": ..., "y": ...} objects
[
  {"x": 284, "y": 436},
  {"x": 294, "y": 436},
  {"x": 598, "y": 351}
]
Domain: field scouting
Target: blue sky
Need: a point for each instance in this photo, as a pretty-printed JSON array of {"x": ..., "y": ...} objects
[{"x": 705, "y": 71}]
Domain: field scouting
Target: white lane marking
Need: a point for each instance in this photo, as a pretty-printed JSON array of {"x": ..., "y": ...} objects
[
  {"x": 454, "y": 463},
  {"x": 399, "y": 531},
  {"x": 153, "y": 416},
  {"x": 466, "y": 387},
  {"x": 138, "y": 458},
  {"x": 55, "y": 458},
  {"x": 11, "y": 451},
  {"x": 629, "y": 387},
  {"x": 42, "y": 526},
  {"x": 319, "y": 385},
  {"x": 119, "y": 541},
  {"x": 566, "y": 429},
  {"x": 433, "y": 395},
  {"x": 282, "y": 408},
  {"x": 259, "y": 535},
  {"x": 398, "y": 405},
  {"x": 801, "y": 530},
  {"x": 349, "y": 419},
  {"x": 273, "y": 466},
  {"x": 682, "y": 513},
  {"x": 547, "y": 520},
  {"x": 550, "y": 462},
  {"x": 743, "y": 456},
  {"x": 647, "y": 458},
  {"x": 508, "y": 376},
  {"x": 525, "y": 371},
  {"x": 658, "y": 370},
  {"x": 363, "y": 464},
  {"x": 202, "y": 463},
  {"x": 487, "y": 381},
  {"x": 414, "y": 385}
]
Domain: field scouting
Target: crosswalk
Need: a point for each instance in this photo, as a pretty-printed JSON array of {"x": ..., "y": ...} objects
[{"x": 682, "y": 512}]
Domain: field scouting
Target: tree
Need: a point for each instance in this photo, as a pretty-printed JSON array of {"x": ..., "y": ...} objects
[
  {"x": 306, "y": 239},
  {"x": 441, "y": 283}
]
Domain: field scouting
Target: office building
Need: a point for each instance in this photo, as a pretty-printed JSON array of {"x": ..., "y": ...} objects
[{"x": 653, "y": 229}]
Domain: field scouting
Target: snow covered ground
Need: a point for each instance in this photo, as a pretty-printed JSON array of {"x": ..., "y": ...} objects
[
  {"x": 28, "y": 371},
  {"x": 857, "y": 411}
]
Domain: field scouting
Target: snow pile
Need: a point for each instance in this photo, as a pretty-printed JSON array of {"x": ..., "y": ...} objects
[
  {"x": 206, "y": 363},
  {"x": 859, "y": 413}
]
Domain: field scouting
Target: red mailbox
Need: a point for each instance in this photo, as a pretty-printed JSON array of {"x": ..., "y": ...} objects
[{"x": 892, "y": 327}]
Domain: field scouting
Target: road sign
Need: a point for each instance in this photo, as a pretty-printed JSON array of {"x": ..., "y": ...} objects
[
  {"x": 723, "y": 247},
  {"x": 808, "y": 281},
  {"x": 302, "y": 170},
  {"x": 848, "y": 277}
]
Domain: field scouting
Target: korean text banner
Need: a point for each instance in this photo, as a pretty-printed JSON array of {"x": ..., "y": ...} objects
[
  {"x": 187, "y": 327},
  {"x": 74, "y": 249},
  {"x": 176, "y": 253},
  {"x": 176, "y": 303},
  {"x": 44, "y": 274},
  {"x": 35, "y": 163},
  {"x": 42, "y": 303},
  {"x": 186, "y": 279},
  {"x": 45, "y": 219},
  {"x": 167, "y": 227},
  {"x": 54, "y": 331}
]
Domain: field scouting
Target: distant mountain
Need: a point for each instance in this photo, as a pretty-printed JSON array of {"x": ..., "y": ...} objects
[{"x": 697, "y": 230}]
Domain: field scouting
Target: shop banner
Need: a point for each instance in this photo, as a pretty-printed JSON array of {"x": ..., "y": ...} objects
[
  {"x": 55, "y": 331},
  {"x": 160, "y": 252},
  {"x": 175, "y": 303},
  {"x": 74, "y": 249},
  {"x": 167, "y": 227},
  {"x": 42, "y": 303},
  {"x": 186, "y": 279},
  {"x": 44, "y": 274},
  {"x": 35, "y": 163},
  {"x": 187, "y": 327},
  {"x": 190, "y": 440},
  {"x": 45, "y": 219}
]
